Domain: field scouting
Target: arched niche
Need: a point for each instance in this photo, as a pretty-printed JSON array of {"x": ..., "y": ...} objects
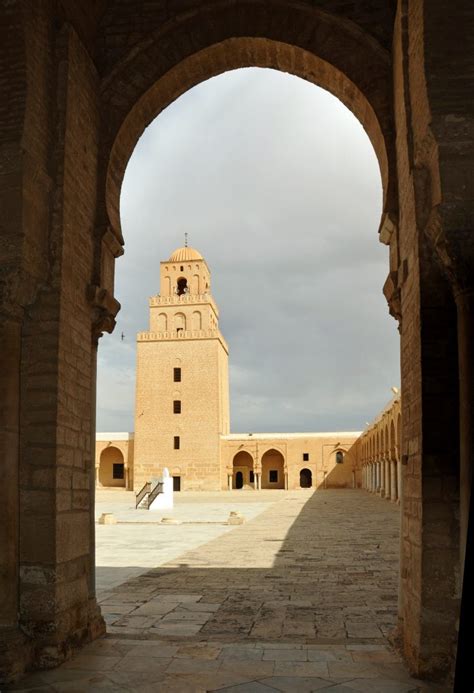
[
  {"x": 112, "y": 467},
  {"x": 273, "y": 469},
  {"x": 242, "y": 474}
]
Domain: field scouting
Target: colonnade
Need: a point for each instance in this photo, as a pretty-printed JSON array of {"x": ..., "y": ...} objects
[
  {"x": 257, "y": 479},
  {"x": 383, "y": 477},
  {"x": 381, "y": 455}
]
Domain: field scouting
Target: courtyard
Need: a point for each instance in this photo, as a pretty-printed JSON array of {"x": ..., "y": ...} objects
[{"x": 300, "y": 597}]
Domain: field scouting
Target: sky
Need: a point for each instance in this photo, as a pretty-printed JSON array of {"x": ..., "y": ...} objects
[{"x": 277, "y": 185}]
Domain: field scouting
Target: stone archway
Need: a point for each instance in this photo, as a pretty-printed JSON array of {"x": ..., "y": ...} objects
[
  {"x": 112, "y": 472},
  {"x": 273, "y": 469},
  {"x": 116, "y": 76},
  {"x": 141, "y": 102},
  {"x": 243, "y": 465}
]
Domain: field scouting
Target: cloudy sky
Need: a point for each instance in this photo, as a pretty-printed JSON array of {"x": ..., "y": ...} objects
[{"x": 278, "y": 187}]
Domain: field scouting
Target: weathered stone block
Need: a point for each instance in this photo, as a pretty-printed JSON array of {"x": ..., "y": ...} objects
[
  {"x": 235, "y": 518},
  {"x": 107, "y": 519}
]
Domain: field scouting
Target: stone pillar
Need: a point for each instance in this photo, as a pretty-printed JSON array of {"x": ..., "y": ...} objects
[
  {"x": 388, "y": 482},
  {"x": 382, "y": 476},
  {"x": 127, "y": 477},
  {"x": 399, "y": 480},
  {"x": 15, "y": 652},
  {"x": 429, "y": 528},
  {"x": 393, "y": 479},
  {"x": 229, "y": 481},
  {"x": 465, "y": 322},
  {"x": 286, "y": 481},
  {"x": 435, "y": 221},
  {"x": 47, "y": 590}
]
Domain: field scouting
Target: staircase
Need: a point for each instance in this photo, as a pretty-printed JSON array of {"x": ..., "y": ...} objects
[
  {"x": 147, "y": 495},
  {"x": 141, "y": 498}
]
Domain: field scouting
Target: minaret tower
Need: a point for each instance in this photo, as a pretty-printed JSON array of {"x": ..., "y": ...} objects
[{"x": 182, "y": 384}]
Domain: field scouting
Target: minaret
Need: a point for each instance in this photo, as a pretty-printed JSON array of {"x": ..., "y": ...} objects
[{"x": 182, "y": 384}]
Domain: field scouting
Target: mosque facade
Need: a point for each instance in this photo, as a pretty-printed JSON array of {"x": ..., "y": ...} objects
[{"x": 182, "y": 411}]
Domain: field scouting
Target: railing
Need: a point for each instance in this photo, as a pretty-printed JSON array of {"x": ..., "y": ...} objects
[
  {"x": 156, "y": 491},
  {"x": 142, "y": 493}
]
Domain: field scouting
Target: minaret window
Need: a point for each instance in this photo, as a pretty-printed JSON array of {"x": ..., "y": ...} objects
[
  {"x": 339, "y": 457},
  {"x": 179, "y": 321},
  {"x": 182, "y": 286},
  {"x": 177, "y": 406},
  {"x": 176, "y": 442},
  {"x": 177, "y": 375}
]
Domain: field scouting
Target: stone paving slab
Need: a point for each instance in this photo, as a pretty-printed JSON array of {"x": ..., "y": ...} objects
[
  {"x": 300, "y": 598},
  {"x": 139, "y": 541}
]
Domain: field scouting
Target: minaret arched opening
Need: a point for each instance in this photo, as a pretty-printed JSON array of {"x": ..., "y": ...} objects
[{"x": 182, "y": 286}]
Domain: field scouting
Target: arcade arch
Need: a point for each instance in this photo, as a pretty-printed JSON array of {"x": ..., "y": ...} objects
[
  {"x": 273, "y": 469},
  {"x": 381, "y": 466},
  {"x": 112, "y": 469},
  {"x": 242, "y": 473}
]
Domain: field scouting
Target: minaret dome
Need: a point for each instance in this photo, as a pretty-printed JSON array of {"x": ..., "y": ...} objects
[{"x": 185, "y": 254}]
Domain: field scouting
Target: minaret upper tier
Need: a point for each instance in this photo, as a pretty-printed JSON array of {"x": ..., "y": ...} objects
[
  {"x": 185, "y": 273},
  {"x": 184, "y": 308}
]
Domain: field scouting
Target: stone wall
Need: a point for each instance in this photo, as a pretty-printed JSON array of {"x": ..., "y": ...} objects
[
  {"x": 313, "y": 451},
  {"x": 293, "y": 452}
]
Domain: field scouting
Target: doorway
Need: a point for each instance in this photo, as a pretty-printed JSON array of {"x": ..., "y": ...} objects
[{"x": 306, "y": 478}]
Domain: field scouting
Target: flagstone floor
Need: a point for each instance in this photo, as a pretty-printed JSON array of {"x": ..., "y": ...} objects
[{"x": 302, "y": 597}]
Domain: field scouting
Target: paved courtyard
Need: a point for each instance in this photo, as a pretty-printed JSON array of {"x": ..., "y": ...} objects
[
  {"x": 301, "y": 597},
  {"x": 143, "y": 542}
]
